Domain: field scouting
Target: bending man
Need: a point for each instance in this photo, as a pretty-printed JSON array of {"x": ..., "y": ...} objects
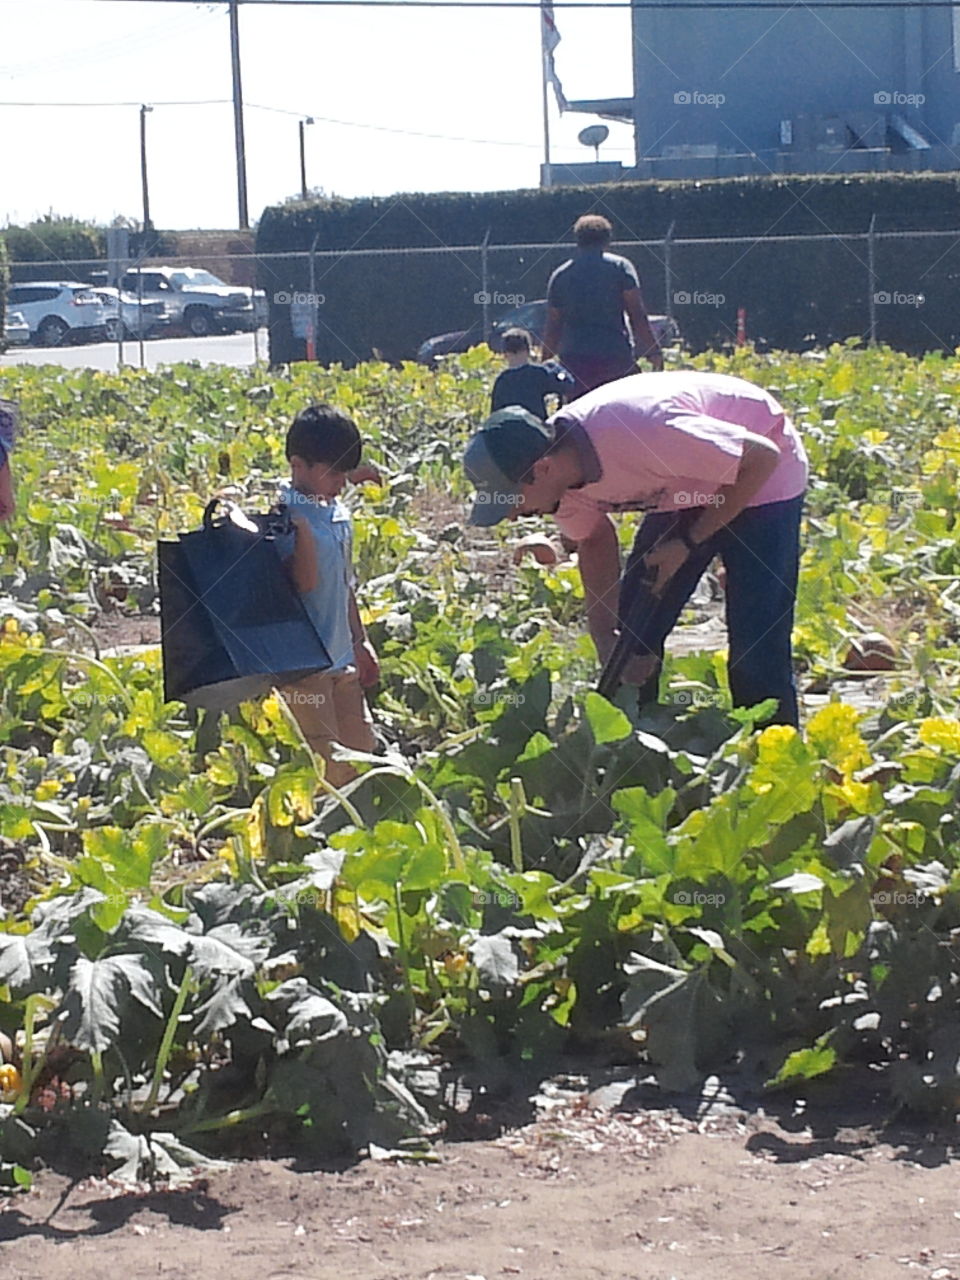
[{"x": 720, "y": 469}]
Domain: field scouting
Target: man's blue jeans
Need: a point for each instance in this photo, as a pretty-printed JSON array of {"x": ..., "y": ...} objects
[{"x": 760, "y": 550}]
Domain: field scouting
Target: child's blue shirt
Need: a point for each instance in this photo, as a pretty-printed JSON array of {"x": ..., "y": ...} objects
[{"x": 328, "y": 604}]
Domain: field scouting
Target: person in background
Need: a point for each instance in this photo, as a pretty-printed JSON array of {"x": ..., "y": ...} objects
[
  {"x": 8, "y": 430},
  {"x": 525, "y": 383},
  {"x": 587, "y": 300},
  {"x": 323, "y": 448}
]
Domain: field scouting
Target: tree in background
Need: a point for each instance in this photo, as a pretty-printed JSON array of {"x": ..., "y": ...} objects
[{"x": 54, "y": 238}]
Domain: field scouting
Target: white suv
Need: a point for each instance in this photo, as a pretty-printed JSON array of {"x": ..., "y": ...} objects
[
  {"x": 56, "y": 311},
  {"x": 196, "y": 299}
]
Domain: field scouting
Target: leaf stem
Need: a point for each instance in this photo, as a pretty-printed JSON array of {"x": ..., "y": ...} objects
[
  {"x": 231, "y": 1118},
  {"x": 96, "y": 1061},
  {"x": 29, "y": 1071},
  {"x": 518, "y": 807},
  {"x": 166, "y": 1044}
]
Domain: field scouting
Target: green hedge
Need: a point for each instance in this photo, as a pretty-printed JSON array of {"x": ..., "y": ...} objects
[
  {"x": 391, "y": 304},
  {"x": 52, "y": 238}
]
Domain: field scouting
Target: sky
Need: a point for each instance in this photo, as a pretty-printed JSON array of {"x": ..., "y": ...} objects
[{"x": 472, "y": 76}]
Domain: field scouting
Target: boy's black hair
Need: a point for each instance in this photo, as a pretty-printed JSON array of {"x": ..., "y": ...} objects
[
  {"x": 516, "y": 340},
  {"x": 321, "y": 433}
]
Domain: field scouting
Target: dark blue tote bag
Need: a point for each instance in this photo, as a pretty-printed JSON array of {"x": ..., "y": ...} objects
[{"x": 232, "y": 623}]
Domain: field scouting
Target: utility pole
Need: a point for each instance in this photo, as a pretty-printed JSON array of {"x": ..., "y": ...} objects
[
  {"x": 546, "y": 181},
  {"x": 147, "y": 225},
  {"x": 303, "y": 158},
  {"x": 244, "y": 216}
]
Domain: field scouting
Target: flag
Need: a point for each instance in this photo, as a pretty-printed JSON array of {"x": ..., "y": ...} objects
[{"x": 550, "y": 38}]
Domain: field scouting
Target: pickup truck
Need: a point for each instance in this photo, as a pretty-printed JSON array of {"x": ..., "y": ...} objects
[{"x": 198, "y": 300}]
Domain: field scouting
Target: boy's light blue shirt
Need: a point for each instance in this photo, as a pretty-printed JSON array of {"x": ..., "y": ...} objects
[{"x": 328, "y": 603}]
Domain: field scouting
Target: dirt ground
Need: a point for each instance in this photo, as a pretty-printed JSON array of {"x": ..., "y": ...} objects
[{"x": 582, "y": 1193}]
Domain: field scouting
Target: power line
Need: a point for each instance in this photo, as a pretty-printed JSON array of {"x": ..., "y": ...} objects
[
  {"x": 285, "y": 111},
  {"x": 640, "y": 6},
  {"x": 407, "y": 133},
  {"x": 105, "y": 51},
  {"x": 201, "y": 102}
]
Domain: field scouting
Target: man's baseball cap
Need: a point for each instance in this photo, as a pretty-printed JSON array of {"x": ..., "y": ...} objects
[{"x": 502, "y": 451}]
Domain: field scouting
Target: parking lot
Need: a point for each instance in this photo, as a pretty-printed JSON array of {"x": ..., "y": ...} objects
[{"x": 237, "y": 349}]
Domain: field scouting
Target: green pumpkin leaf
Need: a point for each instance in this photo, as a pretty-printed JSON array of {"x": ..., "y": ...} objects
[{"x": 607, "y": 722}]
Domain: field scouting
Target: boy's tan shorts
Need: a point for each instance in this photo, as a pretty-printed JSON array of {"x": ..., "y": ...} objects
[{"x": 330, "y": 708}]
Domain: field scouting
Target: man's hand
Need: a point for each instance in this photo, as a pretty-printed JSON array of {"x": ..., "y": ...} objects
[
  {"x": 368, "y": 664},
  {"x": 638, "y": 669},
  {"x": 537, "y": 545},
  {"x": 666, "y": 558},
  {"x": 364, "y": 473}
]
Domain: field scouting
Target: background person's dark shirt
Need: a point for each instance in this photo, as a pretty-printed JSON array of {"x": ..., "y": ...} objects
[
  {"x": 589, "y": 290},
  {"x": 527, "y": 385}
]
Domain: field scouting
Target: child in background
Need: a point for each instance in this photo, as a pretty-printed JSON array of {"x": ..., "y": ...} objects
[
  {"x": 525, "y": 383},
  {"x": 323, "y": 448},
  {"x": 8, "y": 429}
]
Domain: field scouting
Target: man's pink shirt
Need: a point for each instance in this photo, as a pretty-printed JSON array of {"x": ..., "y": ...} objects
[{"x": 669, "y": 441}]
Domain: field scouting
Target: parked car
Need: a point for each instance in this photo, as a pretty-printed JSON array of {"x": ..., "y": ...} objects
[
  {"x": 16, "y": 331},
  {"x": 197, "y": 299},
  {"x": 57, "y": 311},
  {"x": 531, "y": 316},
  {"x": 126, "y": 316}
]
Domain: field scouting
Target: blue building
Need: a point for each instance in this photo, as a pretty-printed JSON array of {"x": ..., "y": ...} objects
[{"x": 802, "y": 88}]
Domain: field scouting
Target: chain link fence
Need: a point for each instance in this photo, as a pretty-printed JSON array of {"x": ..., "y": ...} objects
[{"x": 792, "y": 291}]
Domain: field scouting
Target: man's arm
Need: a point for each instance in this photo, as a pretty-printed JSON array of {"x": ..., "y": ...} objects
[
  {"x": 757, "y": 463},
  {"x": 643, "y": 336},
  {"x": 552, "y": 333},
  {"x": 598, "y": 557}
]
